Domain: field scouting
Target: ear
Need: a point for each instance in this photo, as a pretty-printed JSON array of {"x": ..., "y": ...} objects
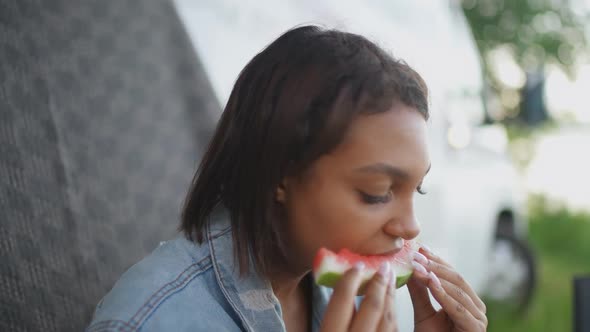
[{"x": 281, "y": 193}]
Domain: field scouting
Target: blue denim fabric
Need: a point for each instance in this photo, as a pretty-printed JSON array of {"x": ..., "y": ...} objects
[{"x": 182, "y": 286}]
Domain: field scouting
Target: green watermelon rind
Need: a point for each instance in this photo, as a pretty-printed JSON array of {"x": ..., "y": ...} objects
[
  {"x": 402, "y": 280},
  {"x": 329, "y": 279}
]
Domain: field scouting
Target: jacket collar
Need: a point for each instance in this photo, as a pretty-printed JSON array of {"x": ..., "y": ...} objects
[{"x": 251, "y": 296}]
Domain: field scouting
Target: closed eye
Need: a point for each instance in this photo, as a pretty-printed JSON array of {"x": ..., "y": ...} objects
[{"x": 375, "y": 199}]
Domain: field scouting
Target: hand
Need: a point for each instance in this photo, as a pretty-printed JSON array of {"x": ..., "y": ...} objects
[
  {"x": 462, "y": 309},
  {"x": 376, "y": 312}
]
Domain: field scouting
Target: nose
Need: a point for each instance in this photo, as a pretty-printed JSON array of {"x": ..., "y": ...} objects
[{"x": 403, "y": 222}]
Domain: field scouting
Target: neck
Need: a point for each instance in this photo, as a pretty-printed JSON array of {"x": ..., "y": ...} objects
[
  {"x": 287, "y": 286},
  {"x": 294, "y": 295}
]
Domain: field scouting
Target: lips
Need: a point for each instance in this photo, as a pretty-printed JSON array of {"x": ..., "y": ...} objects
[
  {"x": 389, "y": 253},
  {"x": 399, "y": 244}
]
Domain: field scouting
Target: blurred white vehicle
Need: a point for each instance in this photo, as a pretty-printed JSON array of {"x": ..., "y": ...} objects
[
  {"x": 559, "y": 152},
  {"x": 472, "y": 188}
]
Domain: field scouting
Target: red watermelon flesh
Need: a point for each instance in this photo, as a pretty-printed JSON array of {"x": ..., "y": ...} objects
[{"x": 329, "y": 266}]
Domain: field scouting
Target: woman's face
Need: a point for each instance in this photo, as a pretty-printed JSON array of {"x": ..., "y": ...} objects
[{"x": 360, "y": 195}]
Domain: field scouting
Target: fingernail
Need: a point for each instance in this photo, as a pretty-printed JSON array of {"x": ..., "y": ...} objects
[
  {"x": 384, "y": 270},
  {"x": 434, "y": 279},
  {"x": 359, "y": 266},
  {"x": 418, "y": 257},
  {"x": 426, "y": 248},
  {"x": 419, "y": 268},
  {"x": 393, "y": 280}
]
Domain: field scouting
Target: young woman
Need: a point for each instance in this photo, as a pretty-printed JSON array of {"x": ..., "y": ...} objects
[{"x": 322, "y": 144}]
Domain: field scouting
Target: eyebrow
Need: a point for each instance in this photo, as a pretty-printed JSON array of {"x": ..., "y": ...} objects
[{"x": 393, "y": 172}]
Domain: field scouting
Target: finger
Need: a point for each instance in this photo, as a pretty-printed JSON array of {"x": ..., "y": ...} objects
[
  {"x": 461, "y": 297},
  {"x": 371, "y": 309},
  {"x": 423, "y": 308},
  {"x": 340, "y": 309},
  {"x": 388, "y": 320},
  {"x": 445, "y": 271},
  {"x": 462, "y": 319},
  {"x": 431, "y": 255}
]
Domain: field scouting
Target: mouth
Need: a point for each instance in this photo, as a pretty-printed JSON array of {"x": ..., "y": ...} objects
[
  {"x": 399, "y": 244},
  {"x": 389, "y": 253}
]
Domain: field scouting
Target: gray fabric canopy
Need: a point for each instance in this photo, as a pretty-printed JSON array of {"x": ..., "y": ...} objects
[{"x": 104, "y": 113}]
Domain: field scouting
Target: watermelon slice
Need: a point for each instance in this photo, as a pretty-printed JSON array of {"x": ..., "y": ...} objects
[{"x": 329, "y": 266}]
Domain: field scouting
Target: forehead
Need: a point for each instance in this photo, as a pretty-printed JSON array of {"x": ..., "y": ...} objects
[{"x": 396, "y": 137}]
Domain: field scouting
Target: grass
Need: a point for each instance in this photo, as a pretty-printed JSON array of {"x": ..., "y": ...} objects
[
  {"x": 551, "y": 309},
  {"x": 561, "y": 239}
]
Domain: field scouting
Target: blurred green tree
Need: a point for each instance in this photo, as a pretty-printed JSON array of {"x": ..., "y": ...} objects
[{"x": 533, "y": 33}]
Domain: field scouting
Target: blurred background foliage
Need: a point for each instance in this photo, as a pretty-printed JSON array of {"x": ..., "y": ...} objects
[{"x": 517, "y": 40}]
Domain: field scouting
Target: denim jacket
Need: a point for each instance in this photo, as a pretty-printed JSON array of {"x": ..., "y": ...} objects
[{"x": 183, "y": 286}]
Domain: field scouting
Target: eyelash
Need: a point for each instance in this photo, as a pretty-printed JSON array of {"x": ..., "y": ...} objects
[
  {"x": 421, "y": 191},
  {"x": 371, "y": 199}
]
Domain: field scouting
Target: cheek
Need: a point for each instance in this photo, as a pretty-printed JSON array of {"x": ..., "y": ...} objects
[{"x": 332, "y": 215}]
